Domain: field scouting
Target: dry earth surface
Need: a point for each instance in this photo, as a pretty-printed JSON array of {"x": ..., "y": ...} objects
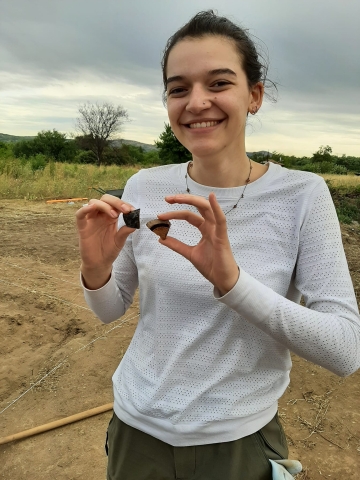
[{"x": 46, "y": 328}]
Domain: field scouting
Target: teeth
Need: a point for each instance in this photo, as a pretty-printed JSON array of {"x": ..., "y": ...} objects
[{"x": 203, "y": 124}]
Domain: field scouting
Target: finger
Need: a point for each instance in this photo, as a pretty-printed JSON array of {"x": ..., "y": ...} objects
[
  {"x": 113, "y": 209},
  {"x": 220, "y": 219},
  {"x": 201, "y": 203},
  {"x": 82, "y": 214},
  {"x": 83, "y": 211},
  {"x": 117, "y": 203},
  {"x": 177, "y": 246},
  {"x": 121, "y": 236},
  {"x": 190, "y": 217}
]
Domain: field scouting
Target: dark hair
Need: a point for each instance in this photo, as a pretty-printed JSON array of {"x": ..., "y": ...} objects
[{"x": 208, "y": 23}]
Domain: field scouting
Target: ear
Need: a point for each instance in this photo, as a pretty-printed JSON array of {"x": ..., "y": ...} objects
[{"x": 256, "y": 96}]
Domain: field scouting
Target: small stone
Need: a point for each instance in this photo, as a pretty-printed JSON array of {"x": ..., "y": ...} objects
[{"x": 132, "y": 219}]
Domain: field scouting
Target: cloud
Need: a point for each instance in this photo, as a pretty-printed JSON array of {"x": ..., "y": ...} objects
[
  {"x": 30, "y": 107},
  {"x": 56, "y": 55}
]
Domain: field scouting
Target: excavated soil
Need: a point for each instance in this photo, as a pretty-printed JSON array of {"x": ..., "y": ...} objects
[{"x": 57, "y": 359}]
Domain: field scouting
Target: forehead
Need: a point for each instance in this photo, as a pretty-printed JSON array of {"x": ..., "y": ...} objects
[{"x": 192, "y": 55}]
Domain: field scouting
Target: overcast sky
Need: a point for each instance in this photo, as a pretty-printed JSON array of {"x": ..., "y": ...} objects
[{"x": 56, "y": 55}]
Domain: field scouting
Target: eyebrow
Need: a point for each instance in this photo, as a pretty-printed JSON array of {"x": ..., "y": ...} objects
[{"x": 217, "y": 71}]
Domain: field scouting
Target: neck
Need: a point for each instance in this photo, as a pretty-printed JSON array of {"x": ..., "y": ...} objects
[{"x": 225, "y": 173}]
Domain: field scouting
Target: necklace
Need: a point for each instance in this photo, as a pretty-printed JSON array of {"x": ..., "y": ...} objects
[{"x": 247, "y": 181}]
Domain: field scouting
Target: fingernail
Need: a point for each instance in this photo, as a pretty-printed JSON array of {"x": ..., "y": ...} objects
[{"x": 114, "y": 214}]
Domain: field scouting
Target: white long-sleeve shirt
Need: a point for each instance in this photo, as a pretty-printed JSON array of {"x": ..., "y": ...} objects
[{"x": 202, "y": 369}]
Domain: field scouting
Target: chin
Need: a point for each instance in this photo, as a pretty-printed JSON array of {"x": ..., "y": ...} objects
[{"x": 205, "y": 150}]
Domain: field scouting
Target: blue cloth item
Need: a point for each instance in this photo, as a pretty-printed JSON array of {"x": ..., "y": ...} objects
[{"x": 285, "y": 469}]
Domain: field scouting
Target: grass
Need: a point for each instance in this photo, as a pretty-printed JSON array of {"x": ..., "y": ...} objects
[
  {"x": 347, "y": 204},
  {"x": 30, "y": 181},
  {"x": 342, "y": 180},
  {"x": 345, "y": 192},
  {"x": 59, "y": 180}
]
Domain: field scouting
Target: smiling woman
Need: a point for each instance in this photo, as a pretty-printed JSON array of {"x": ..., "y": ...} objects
[
  {"x": 208, "y": 99},
  {"x": 195, "y": 396}
]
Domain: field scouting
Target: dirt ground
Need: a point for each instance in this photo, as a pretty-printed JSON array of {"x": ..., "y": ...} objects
[{"x": 47, "y": 330}]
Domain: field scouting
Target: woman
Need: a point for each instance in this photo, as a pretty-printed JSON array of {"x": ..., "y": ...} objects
[{"x": 196, "y": 393}]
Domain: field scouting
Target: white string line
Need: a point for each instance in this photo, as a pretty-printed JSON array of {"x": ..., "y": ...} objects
[
  {"x": 63, "y": 361},
  {"x": 41, "y": 273},
  {"x": 45, "y": 295},
  {"x": 50, "y": 286},
  {"x": 76, "y": 295}
]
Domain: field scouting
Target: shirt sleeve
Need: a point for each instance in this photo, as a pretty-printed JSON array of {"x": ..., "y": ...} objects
[
  {"x": 326, "y": 330},
  {"x": 111, "y": 301}
]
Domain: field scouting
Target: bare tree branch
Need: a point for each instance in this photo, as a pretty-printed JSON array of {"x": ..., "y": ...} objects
[{"x": 100, "y": 123}]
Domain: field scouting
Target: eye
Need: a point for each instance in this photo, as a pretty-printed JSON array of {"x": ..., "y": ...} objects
[
  {"x": 176, "y": 91},
  {"x": 220, "y": 83}
]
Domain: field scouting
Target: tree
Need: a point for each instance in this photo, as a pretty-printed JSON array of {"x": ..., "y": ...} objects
[
  {"x": 50, "y": 143},
  {"x": 350, "y": 163},
  {"x": 170, "y": 149},
  {"x": 100, "y": 124},
  {"x": 324, "y": 154},
  {"x": 119, "y": 155},
  {"x": 55, "y": 145}
]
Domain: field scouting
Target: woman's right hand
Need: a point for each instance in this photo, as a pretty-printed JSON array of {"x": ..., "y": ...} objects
[{"x": 100, "y": 241}]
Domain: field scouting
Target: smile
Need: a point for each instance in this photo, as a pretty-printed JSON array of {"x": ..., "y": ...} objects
[{"x": 204, "y": 124}]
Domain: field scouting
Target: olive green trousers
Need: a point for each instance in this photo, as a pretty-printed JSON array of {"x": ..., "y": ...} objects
[{"x": 135, "y": 455}]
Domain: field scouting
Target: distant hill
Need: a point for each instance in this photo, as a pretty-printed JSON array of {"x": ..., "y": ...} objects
[
  {"x": 13, "y": 138},
  {"x": 146, "y": 146},
  {"x": 16, "y": 138}
]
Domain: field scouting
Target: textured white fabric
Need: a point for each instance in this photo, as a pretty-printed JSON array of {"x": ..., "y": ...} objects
[
  {"x": 285, "y": 469},
  {"x": 202, "y": 369}
]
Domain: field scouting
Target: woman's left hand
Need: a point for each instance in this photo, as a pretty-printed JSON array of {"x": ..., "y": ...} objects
[{"x": 212, "y": 256}]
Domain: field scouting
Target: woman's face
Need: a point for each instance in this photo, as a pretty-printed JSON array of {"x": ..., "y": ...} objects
[{"x": 208, "y": 97}]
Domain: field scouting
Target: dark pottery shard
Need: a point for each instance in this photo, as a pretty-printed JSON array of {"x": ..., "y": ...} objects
[
  {"x": 159, "y": 227},
  {"x": 132, "y": 219}
]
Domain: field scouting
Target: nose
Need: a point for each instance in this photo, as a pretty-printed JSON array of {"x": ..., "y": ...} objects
[{"x": 198, "y": 100}]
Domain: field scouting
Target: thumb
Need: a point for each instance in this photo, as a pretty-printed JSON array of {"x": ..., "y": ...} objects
[
  {"x": 177, "y": 246},
  {"x": 122, "y": 234}
]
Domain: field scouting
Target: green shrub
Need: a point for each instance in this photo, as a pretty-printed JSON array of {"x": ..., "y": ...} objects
[
  {"x": 347, "y": 202},
  {"x": 311, "y": 167},
  {"x": 136, "y": 153},
  {"x": 85, "y": 156},
  {"x": 339, "y": 170},
  {"x": 326, "y": 167},
  {"x": 348, "y": 210},
  {"x": 38, "y": 162},
  {"x": 352, "y": 164},
  {"x": 320, "y": 167},
  {"x": 24, "y": 148},
  {"x": 5, "y": 150},
  {"x": 151, "y": 158},
  {"x": 51, "y": 144},
  {"x": 118, "y": 156}
]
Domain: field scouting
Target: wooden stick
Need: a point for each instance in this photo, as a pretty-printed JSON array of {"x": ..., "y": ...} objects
[
  {"x": 67, "y": 200},
  {"x": 56, "y": 424}
]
